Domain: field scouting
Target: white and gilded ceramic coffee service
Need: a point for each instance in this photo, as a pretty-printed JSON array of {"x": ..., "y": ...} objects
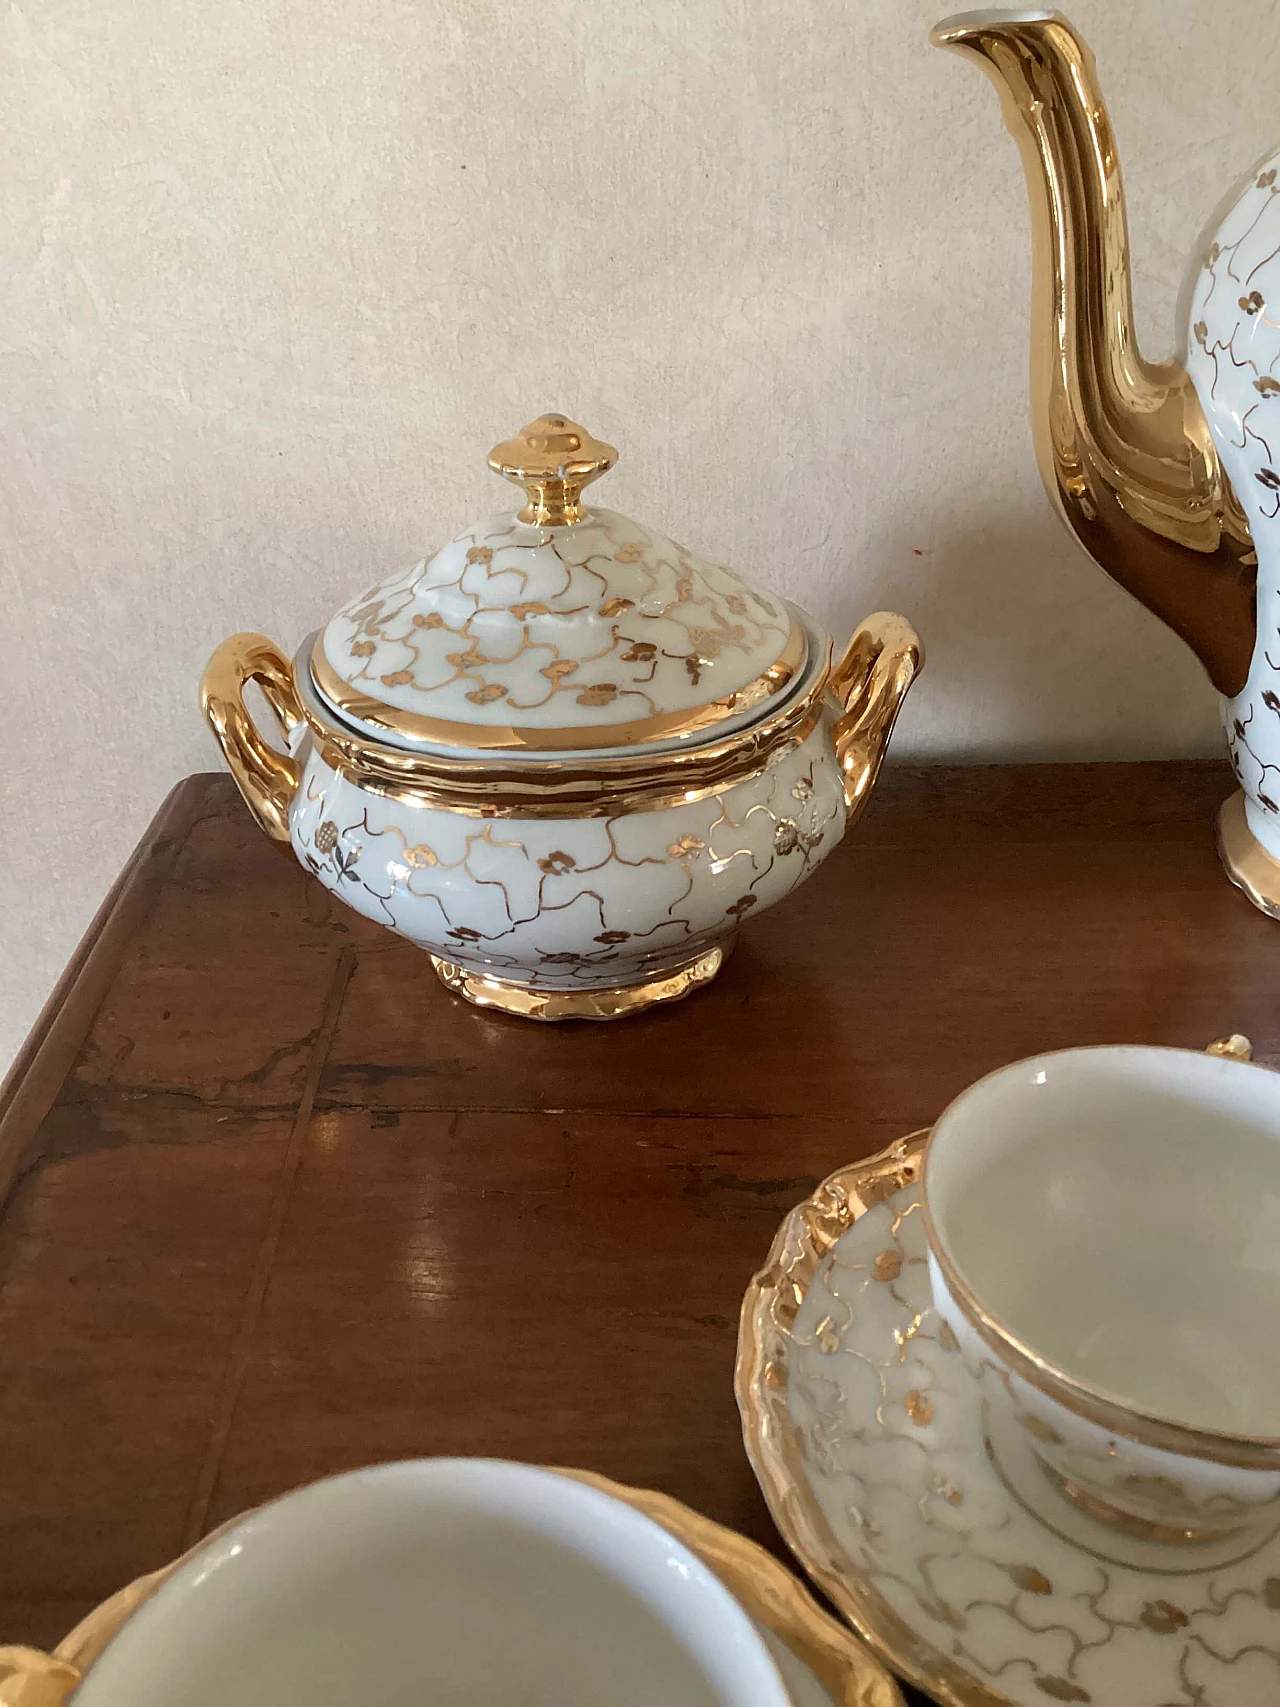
[
  {"x": 1010, "y": 1387},
  {"x": 565, "y": 755}
]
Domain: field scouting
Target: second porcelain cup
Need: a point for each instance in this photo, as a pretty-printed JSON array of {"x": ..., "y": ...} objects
[
  {"x": 451, "y": 1580},
  {"x": 1104, "y": 1231}
]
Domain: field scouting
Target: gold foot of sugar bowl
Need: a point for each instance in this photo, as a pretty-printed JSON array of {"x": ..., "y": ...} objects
[{"x": 485, "y": 990}]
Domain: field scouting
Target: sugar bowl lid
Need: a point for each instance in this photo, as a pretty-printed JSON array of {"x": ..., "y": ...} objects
[{"x": 556, "y": 627}]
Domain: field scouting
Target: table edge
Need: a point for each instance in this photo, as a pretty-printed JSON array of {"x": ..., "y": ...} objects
[{"x": 30, "y": 1087}]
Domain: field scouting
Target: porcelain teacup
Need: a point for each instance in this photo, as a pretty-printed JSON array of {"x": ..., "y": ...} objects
[
  {"x": 456, "y": 1581},
  {"x": 1103, "y": 1229}
]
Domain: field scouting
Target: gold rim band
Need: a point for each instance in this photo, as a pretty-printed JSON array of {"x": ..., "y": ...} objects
[
  {"x": 1112, "y": 1516},
  {"x": 772, "y": 1440},
  {"x": 568, "y": 788},
  {"x": 486, "y": 738}
]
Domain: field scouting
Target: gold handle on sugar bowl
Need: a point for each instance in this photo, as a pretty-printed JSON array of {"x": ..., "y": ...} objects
[
  {"x": 267, "y": 779},
  {"x": 871, "y": 681}
]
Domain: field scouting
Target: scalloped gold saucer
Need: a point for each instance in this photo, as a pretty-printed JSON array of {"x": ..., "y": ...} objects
[
  {"x": 874, "y": 1442},
  {"x": 822, "y": 1663}
]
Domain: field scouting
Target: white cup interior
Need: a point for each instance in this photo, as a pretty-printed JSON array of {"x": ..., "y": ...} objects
[
  {"x": 1117, "y": 1210},
  {"x": 459, "y": 1582}
]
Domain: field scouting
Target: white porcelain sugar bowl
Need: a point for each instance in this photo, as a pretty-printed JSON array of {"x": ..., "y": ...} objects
[{"x": 564, "y": 755}]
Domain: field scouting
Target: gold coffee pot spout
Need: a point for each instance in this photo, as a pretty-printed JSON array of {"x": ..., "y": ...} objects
[{"x": 1124, "y": 450}]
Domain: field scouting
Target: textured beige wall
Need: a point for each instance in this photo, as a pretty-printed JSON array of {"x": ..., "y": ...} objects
[{"x": 277, "y": 272}]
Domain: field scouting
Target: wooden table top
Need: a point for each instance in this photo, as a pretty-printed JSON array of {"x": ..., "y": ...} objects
[{"x": 277, "y": 1205}]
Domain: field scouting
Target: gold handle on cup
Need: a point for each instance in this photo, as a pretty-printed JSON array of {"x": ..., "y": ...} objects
[{"x": 268, "y": 780}]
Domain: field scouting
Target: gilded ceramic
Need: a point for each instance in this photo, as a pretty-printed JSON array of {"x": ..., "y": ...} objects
[
  {"x": 1163, "y": 471},
  {"x": 875, "y": 1439},
  {"x": 599, "y": 634},
  {"x": 565, "y": 756},
  {"x": 486, "y": 990},
  {"x": 1125, "y": 1316},
  {"x": 559, "y": 626},
  {"x": 823, "y": 1664},
  {"x": 1248, "y": 864},
  {"x": 574, "y": 905}
]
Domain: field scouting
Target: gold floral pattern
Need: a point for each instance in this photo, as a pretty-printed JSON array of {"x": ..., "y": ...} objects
[
  {"x": 1163, "y": 1617},
  {"x": 614, "y": 616},
  {"x": 688, "y": 847},
  {"x": 1234, "y": 359},
  {"x": 919, "y": 1407},
  {"x": 1029, "y": 1578},
  {"x": 887, "y": 1266}
]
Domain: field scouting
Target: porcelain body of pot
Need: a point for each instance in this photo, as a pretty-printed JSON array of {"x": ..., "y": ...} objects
[
  {"x": 1233, "y": 357},
  {"x": 577, "y": 904},
  {"x": 1102, "y": 1228},
  {"x": 447, "y": 1580},
  {"x": 565, "y": 756}
]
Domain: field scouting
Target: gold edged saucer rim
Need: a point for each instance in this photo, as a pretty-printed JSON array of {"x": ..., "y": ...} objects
[
  {"x": 773, "y": 1596},
  {"x": 769, "y": 1307}
]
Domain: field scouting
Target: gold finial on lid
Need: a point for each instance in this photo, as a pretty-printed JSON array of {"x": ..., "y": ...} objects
[{"x": 553, "y": 458}]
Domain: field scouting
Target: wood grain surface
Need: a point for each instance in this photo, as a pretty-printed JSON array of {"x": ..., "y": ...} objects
[{"x": 277, "y": 1205}]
